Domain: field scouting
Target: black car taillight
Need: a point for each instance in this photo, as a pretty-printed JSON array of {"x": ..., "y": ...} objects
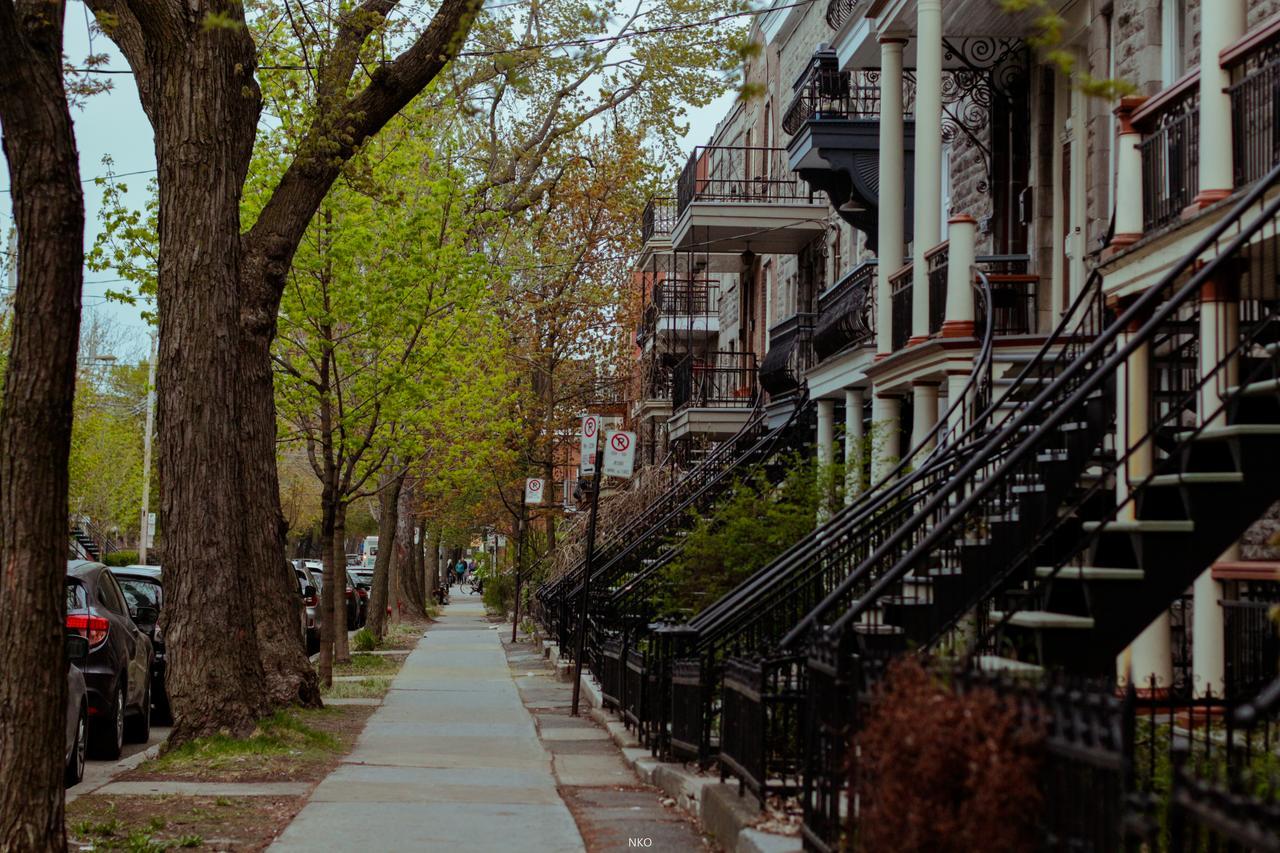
[{"x": 91, "y": 626}]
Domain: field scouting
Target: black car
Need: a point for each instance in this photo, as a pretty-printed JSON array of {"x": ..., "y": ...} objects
[
  {"x": 309, "y": 586},
  {"x": 142, "y": 589},
  {"x": 357, "y": 598},
  {"x": 117, "y": 673},
  {"x": 77, "y": 710}
]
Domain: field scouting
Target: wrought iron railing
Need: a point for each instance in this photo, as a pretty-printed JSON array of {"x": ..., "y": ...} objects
[
  {"x": 1015, "y": 294},
  {"x": 658, "y": 219},
  {"x": 900, "y": 291},
  {"x": 846, "y": 312},
  {"x": 683, "y": 297},
  {"x": 936, "y": 262},
  {"x": 790, "y": 354},
  {"x": 718, "y": 380},
  {"x": 1252, "y": 647},
  {"x": 825, "y": 92},
  {"x": 740, "y": 174},
  {"x": 1255, "y": 113},
  {"x": 1170, "y": 156},
  {"x": 838, "y": 11}
]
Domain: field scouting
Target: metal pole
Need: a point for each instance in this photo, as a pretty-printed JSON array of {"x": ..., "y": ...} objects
[
  {"x": 584, "y": 599},
  {"x": 146, "y": 453},
  {"x": 522, "y": 523}
]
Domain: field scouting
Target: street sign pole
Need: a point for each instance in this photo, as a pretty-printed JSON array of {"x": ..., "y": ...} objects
[
  {"x": 521, "y": 525},
  {"x": 584, "y": 598}
]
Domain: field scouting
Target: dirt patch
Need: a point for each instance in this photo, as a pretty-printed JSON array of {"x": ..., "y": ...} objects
[
  {"x": 292, "y": 746},
  {"x": 403, "y": 635},
  {"x": 367, "y": 664},
  {"x": 152, "y": 824}
]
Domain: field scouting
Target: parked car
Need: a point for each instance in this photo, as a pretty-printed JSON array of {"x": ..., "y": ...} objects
[
  {"x": 356, "y": 606},
  {"x": 117, "y": 672},
  {"x": 143, "y": 589},
  {"x": 309, "y": 586},
  {"x": 77, "y": 710},
  {"x": 353, "y": 559}
]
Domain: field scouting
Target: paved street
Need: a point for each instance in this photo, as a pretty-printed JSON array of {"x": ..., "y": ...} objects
[{"x": 451, "y": 760}]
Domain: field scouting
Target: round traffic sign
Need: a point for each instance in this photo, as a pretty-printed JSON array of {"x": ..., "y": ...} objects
[
  {"x": 535, "y": 485},
  {"x": 620, "y": 441},
  {"x": 589, "y": 427}
]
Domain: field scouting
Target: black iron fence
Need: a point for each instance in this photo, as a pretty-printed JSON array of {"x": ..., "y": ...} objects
[
  {"x": 838, "y": 11},
  {"x": 683, "y": 297},
  {"x": 846, "y": 312},
  {"x": 1252, "y": 646},
  {"x": 1255, "y": 113},
  {"x": 900, "y": 291},
  {"x": 1170, "y": 157},
  {"x": 1015, "y": 295},
  {"x": 722, "y": 380},
  {"x": 739, "y": 174},
  {"x": 658, "y": 219},
  {"x": 936, "y": 262},
  {"x": 826, "y": 93},
  {"x": 790, "y": 354},
  {"x": 761, "y": 737}
]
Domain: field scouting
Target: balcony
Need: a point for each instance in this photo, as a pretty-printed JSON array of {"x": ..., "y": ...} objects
[
  {"x": 839, "y": 11},
  {"x": 681, "y": 312},
  {"x": 846, "y": 313},
  {"x": 733, "y": 199},
  {"x": 658, "y": 219},
  {"x": 718, "y": 380},
  {"x": 790, "y": 355},
  {"x": 1170, "y": 125},
  {"x": 1015, "y": 295},
  {"x": 834, "y": 119},
  {"x": 1254, "y": 65}
]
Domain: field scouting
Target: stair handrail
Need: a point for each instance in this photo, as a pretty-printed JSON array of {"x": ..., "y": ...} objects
[{"x": 1148, "y": 305}]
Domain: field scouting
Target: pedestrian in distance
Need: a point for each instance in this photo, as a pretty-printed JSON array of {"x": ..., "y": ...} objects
[{"x": 461, "y": 570}]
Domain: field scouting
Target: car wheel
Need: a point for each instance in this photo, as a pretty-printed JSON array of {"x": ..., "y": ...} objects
[
  {"x": 75, "y": 767},
  {"x": 138, "y": 727},
  {"x": 107, "y": 737}
]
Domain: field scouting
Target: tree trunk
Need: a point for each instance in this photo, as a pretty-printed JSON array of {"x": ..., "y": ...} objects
[
  {"x": 410, "y": 599},
  {"x": 327, "y": 586},
  {"x": 388, "y": 500},
  {"x": 430, "y": 562},
  {"x": 35, "y": 424},
  {"x": 338, "y": 554}
]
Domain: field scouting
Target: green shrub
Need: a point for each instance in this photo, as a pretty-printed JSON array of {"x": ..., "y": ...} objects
[
  {"x": 120, "y": 558},
  {"x": 752, "y": 525},
  {"x": 364, "y": 641},
  {"x": 499, "y": 594}
]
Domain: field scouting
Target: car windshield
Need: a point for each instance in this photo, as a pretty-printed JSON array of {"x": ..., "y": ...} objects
[{"x": 140, "y": 593}]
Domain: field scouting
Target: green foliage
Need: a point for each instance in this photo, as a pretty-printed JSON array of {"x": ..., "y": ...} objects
[
  {"x": 364, "y": 641},
  {"x": 499, "y": 593},
  {"x": 120, "y": 558},
  {"x": 748, "y": 528},
  {"x": 283, "y": 733},
  {"x": 1047, "y": 38}
]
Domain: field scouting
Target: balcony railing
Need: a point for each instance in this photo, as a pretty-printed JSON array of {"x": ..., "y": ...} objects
[
  {"x": 936, "y": 261},
  {"x": 846, "y": 312},
  {"x": 790, "y": 354},
  {"x": 740, "y": 174},
  {"x": 658, "y": 219},
  {"x": 900, "y": 292},
  {"x": 838, "y": 11},
  {"x": 1255, "y": 81},
  {"x": 825, "y": 92},
  {"x": 720, "y": 380},
  {"x": 684, "y": 297},
  {"x": 1015, "y": 295},
  {"x": 1170, "y": 154}
]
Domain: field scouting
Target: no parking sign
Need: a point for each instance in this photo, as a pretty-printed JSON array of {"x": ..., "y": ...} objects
[
  {"x": 590, "y": 438},
  {"x": 619, "y": 454},
  {"x": 533, "y": 489}
]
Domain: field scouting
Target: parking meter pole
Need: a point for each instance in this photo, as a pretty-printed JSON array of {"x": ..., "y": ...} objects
[
  {"x": 521, "y": 524},
  {"x": 584, "y": 598}
]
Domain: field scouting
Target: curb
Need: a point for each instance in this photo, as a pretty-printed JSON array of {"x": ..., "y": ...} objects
[
  {"x": 120, "y": 767},
  {"x": 717, "y": 806}
]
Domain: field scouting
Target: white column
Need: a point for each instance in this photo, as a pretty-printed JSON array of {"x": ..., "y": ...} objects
[
  {"x": 1129, "y": 214},
  {"x": 889, "y": 242},
  {"x": 1219, "y": 28},
  {"x": 854, "y": 401},
  {"x": 885, "y": 444},
  {"x": 924, "y": 415},
  {"x": 962, "y": 236},
  {"x": 1149, "y": 660},
  {"x": 957, "y": 418},
  {"x": 928, "y": 157},
  {"x": 826, "y": 455},
  {"x": 1208, "y": 655}
]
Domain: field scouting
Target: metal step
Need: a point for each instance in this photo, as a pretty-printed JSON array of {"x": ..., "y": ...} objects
[
  {"x": 1225, "y": 432},
  {"x": 995, "y": 663},
  {"x": 1255, "y": 389},
  {"x": 1089, "y": 573},
  {"x": 1039, "y": 619},
  {"x": 1140, "y": 526},
  {"x": 1197, "y": 478}
]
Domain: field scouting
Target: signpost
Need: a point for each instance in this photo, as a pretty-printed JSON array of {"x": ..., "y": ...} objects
[
  {"x": 619, "y": 454},
  {"x": 534, "y": 489},
  {"x": 585, "y": 596}
]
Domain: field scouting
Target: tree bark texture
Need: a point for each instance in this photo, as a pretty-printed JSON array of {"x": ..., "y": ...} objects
[
  {"x": 35, "y": 422},
  {"x": 430, "y": 562},
  {"x": 337, "y": 548},
  {"x": 409, "y": 599},
  {"x": 328, "y": 587},
  {"x": 388, "y": 500}
]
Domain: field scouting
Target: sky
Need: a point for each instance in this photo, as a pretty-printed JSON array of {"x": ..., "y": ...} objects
[{"x": 113, "y": 125}]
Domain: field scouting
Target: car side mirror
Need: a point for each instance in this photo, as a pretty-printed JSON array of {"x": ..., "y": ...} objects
[
  {"x": 146, "y": 616},
  {"x": 77, "y": 649}
]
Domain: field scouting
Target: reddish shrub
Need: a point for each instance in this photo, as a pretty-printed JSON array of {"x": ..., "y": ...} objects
[{"x": 939, "y": 770}]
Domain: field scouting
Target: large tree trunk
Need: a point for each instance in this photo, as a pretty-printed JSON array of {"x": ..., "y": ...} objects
[
  {"x": 328, "y": 588},
  {"x": 35, "y": 424},
  {"x": 409, "y": 598},
  {"x": 337, "y": 548},
  {"x": 430, "y": 562},
  {"x": 388, "y": 500}
]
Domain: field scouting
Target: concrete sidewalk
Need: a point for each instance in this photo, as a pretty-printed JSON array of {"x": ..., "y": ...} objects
[{"x": 451, "y": 761}]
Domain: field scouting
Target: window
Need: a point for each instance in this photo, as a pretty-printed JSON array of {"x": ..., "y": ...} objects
[
  {"x": 109, "y": 594},
  {"x": 1173, "y": 40},
  {"x": 77, "y": 601},
  {"x": 140, "y": 593}
]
